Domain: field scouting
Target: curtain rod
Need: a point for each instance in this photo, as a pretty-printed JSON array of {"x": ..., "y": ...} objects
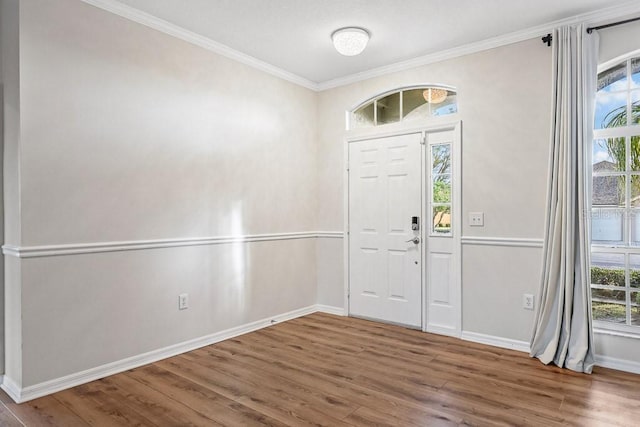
[
  {"x": 549, "y": 38},
  {"x": 613, "y": 24}
]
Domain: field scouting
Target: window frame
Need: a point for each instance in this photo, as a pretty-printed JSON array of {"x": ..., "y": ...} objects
[
  {"x": 400, "y": 91},
  {"x": 626, "y": 248},
  {"x": 432, "y": 180}
]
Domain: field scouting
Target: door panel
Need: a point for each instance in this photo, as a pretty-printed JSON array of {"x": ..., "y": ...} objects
[
  {"x": 439, "y": 278},
  {"x": 384, "y": 193},
  {"x": 443, "y": 228}
]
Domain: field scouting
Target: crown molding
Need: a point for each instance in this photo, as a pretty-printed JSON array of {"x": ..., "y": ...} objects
[
  {"x": 592, "y": 18},
  {"x": 598, "y": 17},
  {"x": 161, "y": 25}
]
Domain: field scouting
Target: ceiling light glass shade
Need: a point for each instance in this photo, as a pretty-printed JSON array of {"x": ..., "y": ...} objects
[
  {"x": 350, "y": 41},
  {"x": 434, "y": 95}
]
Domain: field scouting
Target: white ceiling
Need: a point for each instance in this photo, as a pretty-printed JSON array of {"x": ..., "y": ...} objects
[{"x": 294, "y": 35}]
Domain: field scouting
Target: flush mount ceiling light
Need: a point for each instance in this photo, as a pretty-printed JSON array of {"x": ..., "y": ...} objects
[
  {"x": 350, "y": 41},
  {"x": 434, "y": 95}
]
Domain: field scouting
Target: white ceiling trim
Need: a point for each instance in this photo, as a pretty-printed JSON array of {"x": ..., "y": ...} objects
[
  {"x": 591, "y": 18},
  {"x": 136, "y": 15},
  {"x": 151, "y": 21}
]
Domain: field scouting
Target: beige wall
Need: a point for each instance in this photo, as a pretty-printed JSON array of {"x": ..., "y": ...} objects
[
  {"x": 133, "y": 134},
  {"x": 618, "y": 41},
  {"x": 504, "y": 104},
  {"x": 129, "y": 134},
  {"x": 2, "y": 36},
  {"x": 10, "y": 126},
  {"x": 79, "y": 314},
  {"x": 504, "y": 99},
  {"x": 117, "y": 132}
]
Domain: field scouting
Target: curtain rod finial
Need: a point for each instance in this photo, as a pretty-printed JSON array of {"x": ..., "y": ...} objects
[{"x": 547, "y": 39}]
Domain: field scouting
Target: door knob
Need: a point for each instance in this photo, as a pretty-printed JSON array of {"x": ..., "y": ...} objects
[{"x": 415, "y": 240}]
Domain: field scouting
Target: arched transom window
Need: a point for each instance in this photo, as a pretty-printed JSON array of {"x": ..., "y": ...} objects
[{"x": 410, "y": 103}]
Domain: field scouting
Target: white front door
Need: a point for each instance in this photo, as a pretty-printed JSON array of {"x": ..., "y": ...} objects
[{"x": 384, "y": 251}]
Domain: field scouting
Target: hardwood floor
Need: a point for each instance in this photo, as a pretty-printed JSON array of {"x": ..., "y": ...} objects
[{"x": 325, "y": 370}]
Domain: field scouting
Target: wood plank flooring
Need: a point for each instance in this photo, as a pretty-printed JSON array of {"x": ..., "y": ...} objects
[{"x": 325, "y": 370}]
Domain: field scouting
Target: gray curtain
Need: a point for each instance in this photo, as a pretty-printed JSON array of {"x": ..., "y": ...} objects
[{"x": 563, "y": 332}]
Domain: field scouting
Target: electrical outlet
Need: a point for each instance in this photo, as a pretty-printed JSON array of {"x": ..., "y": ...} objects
[
  {"x": 183, "y": 301},
  {"x": 476, "y": 219},
  {"x": 528, "y": 301}
]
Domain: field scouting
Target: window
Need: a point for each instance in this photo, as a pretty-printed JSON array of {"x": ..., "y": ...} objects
[
  {"x": 615, "y": 198},
  {"x": 415, "y": 102},
  {"x": 441, "y": 189}
]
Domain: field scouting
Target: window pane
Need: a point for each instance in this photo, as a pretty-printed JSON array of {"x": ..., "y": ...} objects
[
  {"x": 635, "y": 72},
  {"x": 635, "y": 107},
  {"x": 611, "y": 110},
  {"x": 614, "y": 79},
  {"x": 362, "y": 117},
  {"x": 607, "y": 269},
  {"x": 389, "y": 109},
  {"x": 635, "y": 153},
  {"x": 441, "y": 159},
  {"x": 635, "y": 191},
  {"x": 608, "y": 191},
  {"x": 441, "y": 189},
  {"x": 634, "y": 273},
  {"x": 448, "y": 106},
  {"x": 609, "y": 312},
  {"x": 608, "y": 155},
  {"x": 442, "y": 219},
  {"x": 414, "y": 106},
  {"x": 609, "y": 296},
  {"x": 606, "y": 226},
  {"x": 634, "y": 223},
  {"x": 635, "y": 308}
]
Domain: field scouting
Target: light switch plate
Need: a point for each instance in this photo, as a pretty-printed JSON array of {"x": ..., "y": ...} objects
[
  {"x": 476, "y": 219},
  {"x": 183, "y": 301}
]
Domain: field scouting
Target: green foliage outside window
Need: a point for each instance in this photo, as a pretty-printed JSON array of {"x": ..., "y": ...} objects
[
  {"x": 612, "y": 277},
  {"x": 441, "y": 192}
]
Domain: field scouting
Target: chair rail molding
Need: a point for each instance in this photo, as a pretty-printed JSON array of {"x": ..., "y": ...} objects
[
  {"x": 131, "y": 245},
  {"x": 520, "y": 242}
]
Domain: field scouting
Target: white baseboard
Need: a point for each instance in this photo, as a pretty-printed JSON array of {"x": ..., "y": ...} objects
[
  {"x": 11, "y": 388},
  {"x": 329, "y": 309},
  {"x": 603, "y": 361},
  {"x": 496, "y": 341},
  {"x": 20, "y": 395},
  {"x": 618, "y": 364}
]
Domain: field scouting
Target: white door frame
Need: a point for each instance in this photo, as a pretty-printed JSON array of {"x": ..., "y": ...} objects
[{"x": 441, "y": 126}]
